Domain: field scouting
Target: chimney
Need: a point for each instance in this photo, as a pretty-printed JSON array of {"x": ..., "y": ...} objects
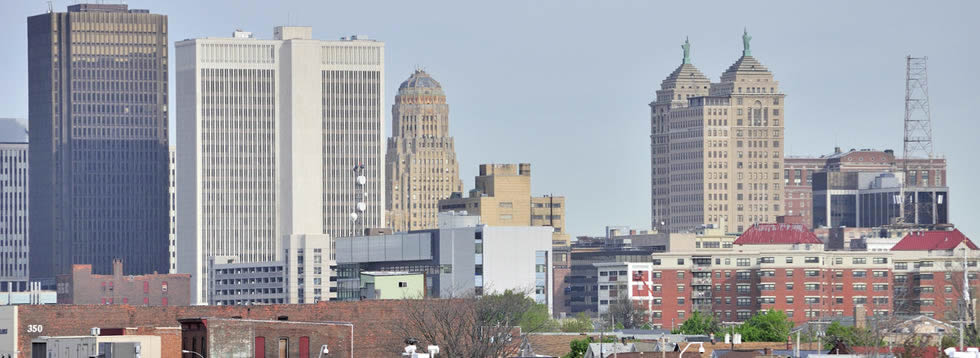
[
  {"x": 117, "y": 268},
  {"x": 836, "y": 150}
]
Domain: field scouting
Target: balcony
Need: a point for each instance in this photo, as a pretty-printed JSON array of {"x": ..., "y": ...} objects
[
  {"x": 701, "y": 306},
  {"x": 701, "y": 294},
  {"x": 701, "y": 281}
]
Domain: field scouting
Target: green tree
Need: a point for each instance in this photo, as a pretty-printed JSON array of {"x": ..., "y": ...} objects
[
  {"x": 578, "y": 348},
  {"x": 537, "y": 319},
  {"x": 580, "y": 324},
  {"x": 769, "y": 326},
  {"x": 699, "y": 323},
  {"x": 852, "y": 336}
]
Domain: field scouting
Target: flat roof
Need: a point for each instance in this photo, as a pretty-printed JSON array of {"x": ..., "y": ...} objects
[{"x": 389, "y": 273}]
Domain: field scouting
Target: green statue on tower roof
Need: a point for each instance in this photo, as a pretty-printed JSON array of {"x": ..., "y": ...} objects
[
  {"x": 687, "y": 51},
  {"x": 747, "y": 51}
]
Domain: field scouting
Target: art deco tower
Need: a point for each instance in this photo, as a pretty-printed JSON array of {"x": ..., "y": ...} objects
[
  {"x": 421, "y": 159},
  {"x": 717, "y": 147}
]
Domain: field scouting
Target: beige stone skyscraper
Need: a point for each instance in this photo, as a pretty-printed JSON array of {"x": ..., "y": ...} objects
[
  {"x": 421, "y": 160},
  {"x": 717, "y": 148}
]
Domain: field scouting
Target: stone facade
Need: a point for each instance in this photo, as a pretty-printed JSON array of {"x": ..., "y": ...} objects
[
  {"x": 82, "y": 287},
  {"x": 502, "y": 197},
  {"x": 421, "y": 159},
  {"x": 716, "y": 148}
]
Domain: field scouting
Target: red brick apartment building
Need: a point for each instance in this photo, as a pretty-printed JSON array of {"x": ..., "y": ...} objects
[
  {"x": 81, "y": 287},
  {"x": 772, "y": 266}
]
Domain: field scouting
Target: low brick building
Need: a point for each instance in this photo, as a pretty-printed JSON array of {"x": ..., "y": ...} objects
[
  {"x": 231, "y": 337},
  {"x": 82, "y": 287},
  {"x": 372, "y": 323}
]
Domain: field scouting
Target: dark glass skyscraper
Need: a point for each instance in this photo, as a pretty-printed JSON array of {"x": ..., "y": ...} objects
[{"x": 98, "y": 140}]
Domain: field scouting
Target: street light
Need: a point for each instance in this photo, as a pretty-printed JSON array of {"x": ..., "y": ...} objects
[
  {"x": 323, "y": 351},
  {"x": 191, "y": 352}
]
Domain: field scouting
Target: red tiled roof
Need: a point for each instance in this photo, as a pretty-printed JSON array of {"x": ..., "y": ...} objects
[
  {"x": 933, "y": 240},
  {"x": 778, "y": 234}
]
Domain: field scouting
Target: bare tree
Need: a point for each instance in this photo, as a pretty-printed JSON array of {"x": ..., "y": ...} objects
[
  {"x": 468, "y": 326},
  {"x": 624, "y": 311}
]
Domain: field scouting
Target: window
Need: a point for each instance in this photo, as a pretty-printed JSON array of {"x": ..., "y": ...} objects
[
  {"x": 880, "y": 260},
  {"x": 811, "y": 300},
  {"x": 860, "y": 286},
  {"x": 812, "y": 260},
  {"x": 680, "y": 274},
  {"x": 789, "y": 286},
  {"x": 506, "y": 204},
  {"x": 402, "y": 284},
  {"x": 743, "y": 302},
  {"x": 859, "y": 260},
  {"x": 789, "y": 259},
  {"x": 789, "y": 299},
  {"x": 812, "y": 286},
  {"x": 861, "y": 273},
  {"x": 680, "y": 300},
  {"x": 680, "y": 261},
  {"x": 743, "y": 262},
  {"x": 901, "y": 266}
]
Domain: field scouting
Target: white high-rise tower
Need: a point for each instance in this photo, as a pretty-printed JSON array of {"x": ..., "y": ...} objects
[{"x": 268, "y": 132}]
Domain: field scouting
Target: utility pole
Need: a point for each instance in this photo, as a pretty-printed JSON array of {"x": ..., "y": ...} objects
[{"x": 732, "y": 325}]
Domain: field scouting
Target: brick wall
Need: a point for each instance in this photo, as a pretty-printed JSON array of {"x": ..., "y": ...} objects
[
  {"x": 81, "y": 287},
  {"x": 371, "y": 319}
]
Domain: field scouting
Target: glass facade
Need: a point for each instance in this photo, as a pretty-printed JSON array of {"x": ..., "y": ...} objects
[
  {"x": 541, "y": 276},
  {"x": 99, "y": 141}
]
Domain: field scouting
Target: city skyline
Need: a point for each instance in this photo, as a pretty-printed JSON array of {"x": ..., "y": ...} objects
[{"x": 559, "y": 83}]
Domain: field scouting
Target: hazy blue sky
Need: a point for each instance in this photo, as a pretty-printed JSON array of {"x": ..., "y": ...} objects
[{"x": 565, "y": 85}]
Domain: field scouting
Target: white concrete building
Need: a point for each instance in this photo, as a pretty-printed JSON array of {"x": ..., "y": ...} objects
[
  {"x": 13, "y": 217},
  {"x": 461, "y": 257},
  {"x": 303, "y": 276},
  {"x": 268, "y": 133},
  {"x": 172, "y": 197}
]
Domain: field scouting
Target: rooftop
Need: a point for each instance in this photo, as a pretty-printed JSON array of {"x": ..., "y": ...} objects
[
  {"x": 933, "y": 240},
  {"x": 777, "y": 234},
  {"x": 388, "y": 273}
]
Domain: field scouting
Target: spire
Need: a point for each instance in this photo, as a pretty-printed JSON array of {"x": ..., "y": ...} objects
[
  {"x": 687, "y": 51},
  {"x": 746, "y": 50}
]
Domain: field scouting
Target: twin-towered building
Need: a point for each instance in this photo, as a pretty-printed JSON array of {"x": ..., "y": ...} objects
[{"x": 717, "y": 148}]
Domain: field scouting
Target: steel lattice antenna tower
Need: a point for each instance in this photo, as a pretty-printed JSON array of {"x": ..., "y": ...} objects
[
  {"x": 918, "y": 127},
  {"x": 918, "y": 123}
]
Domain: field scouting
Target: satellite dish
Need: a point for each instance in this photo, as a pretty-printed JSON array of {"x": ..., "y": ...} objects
[
  {"x": 353, "y": 217},
  {"x": 361, "y": 206},
  {"x": 361, "y": 180}
]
